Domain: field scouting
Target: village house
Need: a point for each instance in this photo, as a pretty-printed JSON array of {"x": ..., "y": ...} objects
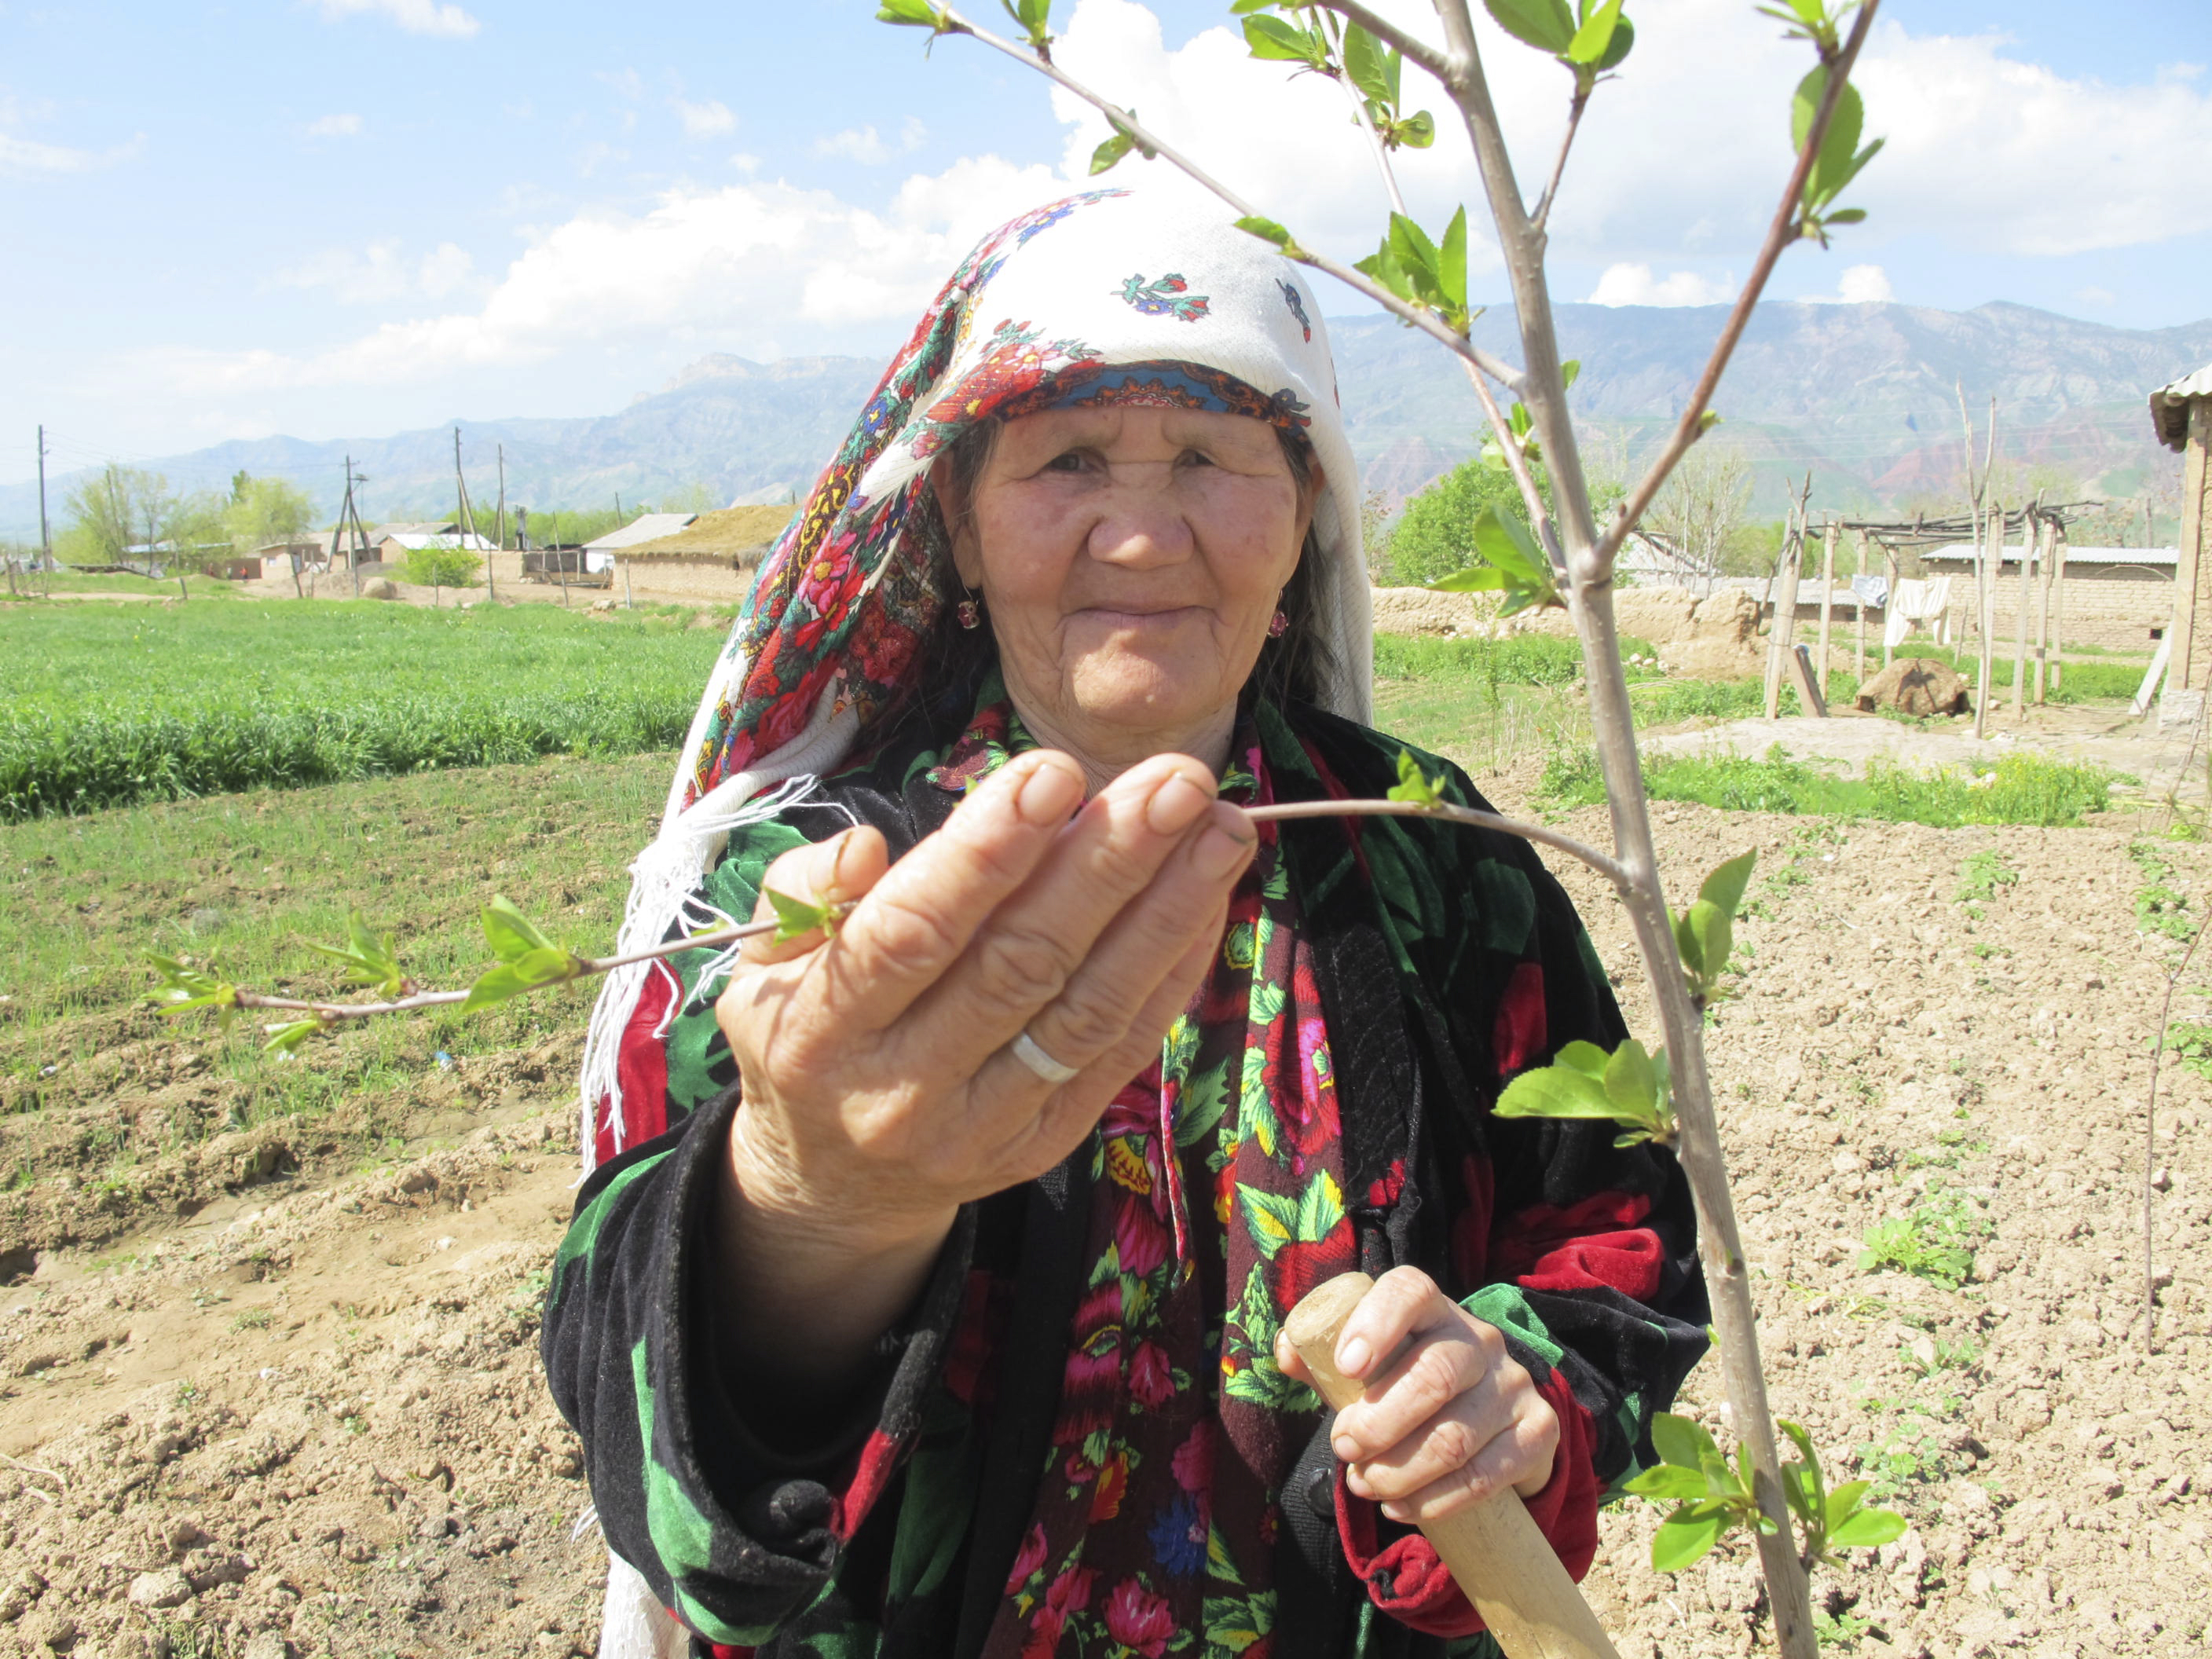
[{"x": 712, "y": 556}]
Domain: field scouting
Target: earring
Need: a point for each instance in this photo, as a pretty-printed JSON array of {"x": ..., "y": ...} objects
[
  {"x": 1278, "y": 624},
  {"x": 970, "y": 612}
]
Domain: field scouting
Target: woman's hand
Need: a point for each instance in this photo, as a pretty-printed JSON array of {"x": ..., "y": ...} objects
[
  {"x": 1447, "y": 1418},
  {"x": 879, "y": 1093}
]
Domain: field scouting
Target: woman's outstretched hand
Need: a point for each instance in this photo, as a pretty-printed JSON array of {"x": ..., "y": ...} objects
[
  {"x": 880, "y": 1092},
  {"x": 1448, "y": 1417}
]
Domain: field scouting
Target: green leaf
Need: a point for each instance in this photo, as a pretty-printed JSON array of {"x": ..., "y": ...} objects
[
  {"x": 1584, "y": 1057},
  {"x": 1451, "y": 261},
  {"x": 1866, "y": 1529},
  {"x": 1715, "y": 935},
  {"x": 283, "y": 1039},
  {"x": 1504, "y": 541},
  {"x": 1111, "y": 152},
  {"x": 1413, "y": 784},
  {"x": 1416, "y": 254},
  {"x": 1265, "y": 229},
  {"x": 1417, "y": 132},
  {"x": 1570, "y": 371},
  {"x": 1623, "y": 42},
  {"x": 1555, "y": 1091},
  {"x": 1844, "y": 216},
  {"x": 527, "y": 972},
  {"x": 914, "y": 14},
  {"x": 1630, "y": 1083},
  {"x": 1595, "y": 38},
  {"x": 1383, "y": 265},
  {"x": 510, "y": 934},
  {"x": 1666, "y": 1483},
  {"x": 1373, "y": 67},
  {"x": 1680, "y": 1440},
  {"x": 795, "y": 918},
  {"x": 1724, "y": 887},
  {"x": 1272, "y": 38},
  {"x": 1684, "y": 1538},
  {"x": 1240, "y": 7},
  {"x": 1686, "y": 942},
  {"x": 1546, "y": 25}
]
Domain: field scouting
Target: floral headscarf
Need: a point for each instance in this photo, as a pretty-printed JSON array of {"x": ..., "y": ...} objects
[{"x": 1111, "y": 296}]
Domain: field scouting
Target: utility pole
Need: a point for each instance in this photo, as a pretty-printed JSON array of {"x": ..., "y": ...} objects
[
  {"x": 46, "y": 543},
  {"x": 491, "y": 586}
]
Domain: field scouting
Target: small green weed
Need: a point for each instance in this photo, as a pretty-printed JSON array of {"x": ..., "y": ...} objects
[
  {"x": 1934, "y": 1240},
  {"x": 2194, "y": 1044},
  {"x": 1952, "y": 1147},
  {"x": 1981, "y": 874},
  {"x": 2160, "y": 908},
  {"x": 253, "y": 1319},
  {"x": 1845, "y": 1630},
  {"x": 1944, "y": 1354}
]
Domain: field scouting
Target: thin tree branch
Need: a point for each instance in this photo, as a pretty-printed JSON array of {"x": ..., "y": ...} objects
[
  {"x": 1415, "y": 49},
  {"x": 1417, "y": 316},
  {"x": 1517, "y": 462},
  {"x": 1541, "y": 220},
  {"x": 1779, "y": 235},
  {"x": 1609, "y": 867},
  {"x": 1366, "y": 122}
]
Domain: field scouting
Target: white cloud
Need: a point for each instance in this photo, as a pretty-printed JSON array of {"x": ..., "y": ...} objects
[
  {"x": 862, "y": 144},
  {"x": 334, "y": 126},
  {"x": 912, "y": 133},
  {"x": 710, "y": 119},
  {"x": 414, "y": 17},
  {"x": 1859, "y": 285},
  {"x": 29, "y": 158},
  {"x": 379, "y": 274},
  {"x": 1634, "y": 285},
  {"x": 738, "y": 264}
]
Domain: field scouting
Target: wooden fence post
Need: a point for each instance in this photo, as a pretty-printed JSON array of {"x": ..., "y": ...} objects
[
  {"x": 2058, "y": 607},
  {"x": 1858, "y": 658},
  {"x": 2029, "y": 524},
  {"x": 2046, "y": 550},
  {"x": 1785, "y": 621},
  {"x": 1889, "y": 574},
  {"x": 1985, "y": 606},
  {"x": 1828, "y": 596}
]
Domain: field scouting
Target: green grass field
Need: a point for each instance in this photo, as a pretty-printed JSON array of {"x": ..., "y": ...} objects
[
  {"x": 2022, "y": 788},
  {"x": 115, "y": 704}
]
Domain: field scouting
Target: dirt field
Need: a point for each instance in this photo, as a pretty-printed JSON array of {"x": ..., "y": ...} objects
[{"x": 268, "y": 1403}]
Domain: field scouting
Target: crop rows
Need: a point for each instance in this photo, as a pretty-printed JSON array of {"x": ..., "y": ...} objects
[{"x": 117, "y": 709}]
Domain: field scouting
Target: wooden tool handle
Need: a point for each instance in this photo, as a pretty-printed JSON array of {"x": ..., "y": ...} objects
[{"x": 1492, "y": 1548}]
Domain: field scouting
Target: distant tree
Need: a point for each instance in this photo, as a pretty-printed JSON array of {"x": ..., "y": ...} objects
[
  {"x": 116, "y": 509},
  {"x": 1703, "y": 507},
  {"x": 1434, "y": 535},
  {"x": 442, "y": 566},
  {"x": 1375, "y": 531},
  {"x": 261, "y": 511}
]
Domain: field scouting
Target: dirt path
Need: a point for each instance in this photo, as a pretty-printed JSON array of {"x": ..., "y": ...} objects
[{"x": 310, "y": 1419}]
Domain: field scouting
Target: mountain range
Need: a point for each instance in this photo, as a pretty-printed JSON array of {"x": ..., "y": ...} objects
[{"x": 1865, "y": 397}]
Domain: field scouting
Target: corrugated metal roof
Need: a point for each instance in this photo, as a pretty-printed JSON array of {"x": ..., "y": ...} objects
[
  {"x": 1963, "y": 553},
  {"x": 2169, "y": 406},
  {"x": 646, "y": 527}
]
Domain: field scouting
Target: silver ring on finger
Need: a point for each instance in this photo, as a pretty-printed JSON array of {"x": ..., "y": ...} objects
[{"x": 1025, "y": 1049}]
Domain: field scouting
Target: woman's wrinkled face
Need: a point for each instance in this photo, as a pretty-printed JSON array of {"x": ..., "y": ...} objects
[{"x": 1129, "y": 561}]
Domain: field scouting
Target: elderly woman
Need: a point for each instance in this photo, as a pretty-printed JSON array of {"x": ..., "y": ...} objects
[{"x": 928, "y": 1297}]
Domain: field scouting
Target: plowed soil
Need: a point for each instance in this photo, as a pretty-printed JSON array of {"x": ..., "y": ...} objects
[{"x": 258, "y": 1405}]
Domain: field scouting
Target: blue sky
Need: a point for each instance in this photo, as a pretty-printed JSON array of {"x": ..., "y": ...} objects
[{"x": 331, "y": 217}]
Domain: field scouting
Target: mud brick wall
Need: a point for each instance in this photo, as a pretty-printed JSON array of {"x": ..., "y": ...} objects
[
  {"x": 2118, "y": 611},
  {"x": 708, "y": 577}
]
